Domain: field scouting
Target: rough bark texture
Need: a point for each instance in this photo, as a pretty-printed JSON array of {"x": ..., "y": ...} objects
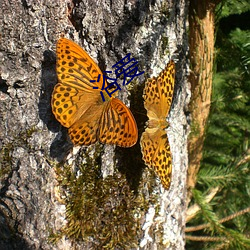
[
  {"x": 32, "y": 142},
  {"x": 201, "y": 41}
]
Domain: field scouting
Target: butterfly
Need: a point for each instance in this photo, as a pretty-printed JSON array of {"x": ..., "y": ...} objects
[
  {"x": 157, "y": 94},
  {"x": 78, "y": 105}
]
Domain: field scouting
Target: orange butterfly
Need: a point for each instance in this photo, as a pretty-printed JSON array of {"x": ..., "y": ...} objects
[
  {"x": 79, "y": 107},
  {"x": 158, "y": 93}
]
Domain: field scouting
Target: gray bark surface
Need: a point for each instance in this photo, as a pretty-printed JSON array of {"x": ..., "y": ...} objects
[{"x": 32, "y": 142}]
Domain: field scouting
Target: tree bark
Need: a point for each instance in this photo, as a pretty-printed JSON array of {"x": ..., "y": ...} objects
[
  {"x": 43, "y": 188},
  {"x": 201, "y": 41}
]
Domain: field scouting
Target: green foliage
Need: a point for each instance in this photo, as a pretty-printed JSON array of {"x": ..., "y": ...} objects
[
  {"x": 230, "y": 7},
  {"x": 218, "y": 176},
  {"x": 226, "y": 153},
  {"x": 207, "y": 211}
]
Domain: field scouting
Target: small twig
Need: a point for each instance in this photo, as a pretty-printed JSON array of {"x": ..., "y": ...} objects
[
  {"x": 230, "y": 217},
  {"x": 205, "y": 238}
]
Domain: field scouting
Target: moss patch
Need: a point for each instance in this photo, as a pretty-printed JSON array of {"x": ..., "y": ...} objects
[
  {"x": 20, "y": 140},
  {"x": 103, "y": 212}
]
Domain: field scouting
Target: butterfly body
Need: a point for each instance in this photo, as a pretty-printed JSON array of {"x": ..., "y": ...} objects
[
  {"x": 78, "y": 105},
  {"x": 158, "y": 93}
]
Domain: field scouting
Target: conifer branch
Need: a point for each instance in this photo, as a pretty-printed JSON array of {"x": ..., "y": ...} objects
[
  {"x": 230, "y": 217},
  {"x": 194, "y": 209}
]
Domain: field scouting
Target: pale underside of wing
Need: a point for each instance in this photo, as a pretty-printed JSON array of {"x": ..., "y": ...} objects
[{"x": 156, "y": 154}]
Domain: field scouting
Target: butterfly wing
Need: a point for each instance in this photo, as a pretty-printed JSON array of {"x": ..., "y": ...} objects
[
  {"x": 79, "y": 107},
  {"x": 158, "y": 93},
  {"x": 74, "y": 93},
  {"x": 117, "y": 125},
  {"x": 76, "y": 68},
  {"x": 156, "y": 153},
  {"x": 85, "y": 130}
]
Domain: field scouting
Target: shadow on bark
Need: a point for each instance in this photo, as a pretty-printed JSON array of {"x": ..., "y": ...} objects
[
  {"x": 9, "y": 239},
  {"x": 61, "y": 145},
  {"x": 130, "y": 159}
]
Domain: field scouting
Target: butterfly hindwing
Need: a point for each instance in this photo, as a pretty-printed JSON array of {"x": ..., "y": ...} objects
[
  {"x": 156, "y": 154},
  {"x": 63, "y": 106},
  {"x": 85, "y": 130},
  {"x": 69, "y": 104},
  {"x": 118, "y": 125}
]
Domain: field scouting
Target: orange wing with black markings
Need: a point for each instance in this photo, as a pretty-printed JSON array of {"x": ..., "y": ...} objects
[
  {"x": 158, "y": 94},
  {"x": 79, "y": 107}
]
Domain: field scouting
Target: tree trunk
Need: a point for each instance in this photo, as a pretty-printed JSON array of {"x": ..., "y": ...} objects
[
  {"x": 201, "y": 40},
  {"x": 54, "y": 195}
]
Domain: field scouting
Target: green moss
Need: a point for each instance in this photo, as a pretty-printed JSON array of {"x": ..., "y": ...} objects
[
  {"x": 133, "y": 84},
  {"x": 28, "y": 133},
  {"x": 164, "y": 10},
  {"x": 19, "y": 140},
  {"x": 164, "y": 45},
  {"x": 105, "y": 212},
  {"x": 195, "y": 129},
  {"x": 5, "y": 161}
]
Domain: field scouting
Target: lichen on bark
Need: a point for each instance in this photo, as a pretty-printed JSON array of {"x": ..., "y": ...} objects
[{"x": 33, "y": 143}]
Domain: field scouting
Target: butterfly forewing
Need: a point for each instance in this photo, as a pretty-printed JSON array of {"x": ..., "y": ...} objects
[
  {"x": 76, "y": 68},
  {"x": 158, "y": 92},
  {"x": 166, "y": 87}
]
